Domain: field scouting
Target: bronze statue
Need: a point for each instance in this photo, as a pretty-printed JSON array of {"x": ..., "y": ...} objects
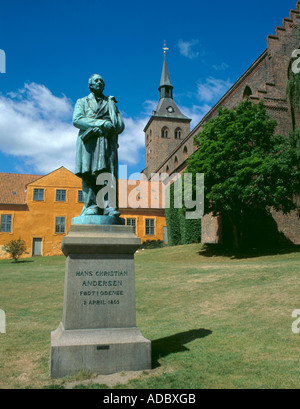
[{"x": 99, "y": 122}]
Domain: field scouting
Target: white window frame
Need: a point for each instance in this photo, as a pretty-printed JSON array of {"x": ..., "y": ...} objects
[
  {"x": 134, "y": 225},
  {"x": 59, "y": 226},
  {"x": 4, "y": 224},
  {"x": 37, "y": 194},
  {"x": 61, "y": 193},
  {"x": 150, "y": 227}
]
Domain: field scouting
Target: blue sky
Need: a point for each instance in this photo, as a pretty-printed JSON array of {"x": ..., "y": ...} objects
[{"x": 53, "y": 47}]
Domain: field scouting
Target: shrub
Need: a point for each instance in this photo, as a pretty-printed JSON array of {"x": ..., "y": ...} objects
[
  {"x": 15, "y": 248},
  {"x": 173, "y": 220},
  {"x": 180, "y": 229},
  {"x": 190, "y": 230},
  {"x": 152, "y": 244}
]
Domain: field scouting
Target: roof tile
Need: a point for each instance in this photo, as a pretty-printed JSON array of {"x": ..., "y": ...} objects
[{"x": 13, "y": 187}]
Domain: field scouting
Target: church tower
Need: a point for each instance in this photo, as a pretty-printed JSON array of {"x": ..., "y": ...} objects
[{"x": 167, "y": 126}]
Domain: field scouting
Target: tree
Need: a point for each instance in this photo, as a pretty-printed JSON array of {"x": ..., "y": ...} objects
[
  {"x": 246, "y": 167},
  {"x": 15, "y": 248}
]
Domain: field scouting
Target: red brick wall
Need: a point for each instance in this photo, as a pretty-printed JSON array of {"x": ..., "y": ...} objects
[{"x": 267, "y": 79}]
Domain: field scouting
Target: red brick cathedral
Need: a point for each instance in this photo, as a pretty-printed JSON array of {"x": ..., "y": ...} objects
[{"x": 169, "y": 141}]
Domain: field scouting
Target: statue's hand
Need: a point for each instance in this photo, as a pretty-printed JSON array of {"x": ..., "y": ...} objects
[
  {"x": 97, "y": 131},
  {"x": 112, "y": 98},
  {"x": 108, "y": 126}
]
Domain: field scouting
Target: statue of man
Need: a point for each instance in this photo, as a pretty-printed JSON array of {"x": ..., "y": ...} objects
[{"x": 99, "y": 122}]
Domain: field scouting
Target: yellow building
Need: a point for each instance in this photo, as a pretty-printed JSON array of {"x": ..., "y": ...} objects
[
  {"x": 39, "y": 209},
  {"x": 141, "y": 204}
]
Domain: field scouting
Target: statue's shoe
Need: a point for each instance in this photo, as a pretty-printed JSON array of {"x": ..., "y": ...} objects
[
  {"x": 111, "y": 212},
  {"x": 115, "y": 213},
  {"x": 91, "y": 211}
]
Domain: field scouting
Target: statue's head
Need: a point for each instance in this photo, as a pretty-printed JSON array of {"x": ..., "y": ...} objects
[{"x": 96, "y": 84}]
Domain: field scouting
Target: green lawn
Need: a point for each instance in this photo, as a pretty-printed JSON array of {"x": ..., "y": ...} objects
[{"x": 214, "y": 321}]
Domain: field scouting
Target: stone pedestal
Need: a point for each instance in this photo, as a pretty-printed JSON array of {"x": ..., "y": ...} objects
[{"x": 98, "y": 331}]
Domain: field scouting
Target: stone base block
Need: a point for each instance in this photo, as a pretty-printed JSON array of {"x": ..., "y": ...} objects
[
  {"x": 101, "y": 351},
  {"x": 98, "y": 220}
]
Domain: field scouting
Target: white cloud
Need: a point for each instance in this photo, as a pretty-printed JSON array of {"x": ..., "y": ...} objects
[
  {"x": 185, "y": 48},
  {"x": 36, "y": 126},
  {"x": 196, "y": 113},
  {"x": 212, "y": 89},
  {"x": 132, "y": 140},
  {"x": 149, "y": 107},
  {"x": 220, "y": 67},
  {"x": 47, "y": 103}
]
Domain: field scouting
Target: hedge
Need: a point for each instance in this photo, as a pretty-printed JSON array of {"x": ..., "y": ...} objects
[{"x": 180, "y": 229}]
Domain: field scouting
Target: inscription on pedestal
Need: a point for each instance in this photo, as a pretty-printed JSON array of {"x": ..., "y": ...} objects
[
  {"x": 98, "y": 331},
  {"x": 99, "y": 292},
  {"x": 102, "y": 287}
]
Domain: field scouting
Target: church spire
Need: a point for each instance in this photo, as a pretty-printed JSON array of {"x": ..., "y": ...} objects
[
  {"x": 167, "y": 126},
  {"x": 165, "y": 87}
]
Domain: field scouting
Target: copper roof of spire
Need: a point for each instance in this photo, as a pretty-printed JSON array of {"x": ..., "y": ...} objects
[{"x": 165, "y": 76}]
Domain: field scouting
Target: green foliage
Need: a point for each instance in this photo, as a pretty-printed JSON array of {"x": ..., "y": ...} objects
[
  {"x": 173, "y": 220},
  {"x": 246, "y": 167},
  {"x": 214, "y": 322},
  {"x": 180, "y": 229},
  {"x": 15, "y": 248},
  {"x": 190, "y": 230},
  {"x": 152, "y": 244},
  {"x": 294, "y": 140}
]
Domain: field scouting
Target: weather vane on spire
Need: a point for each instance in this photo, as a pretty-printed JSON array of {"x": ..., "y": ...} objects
[{"x": 165, "y": 48}]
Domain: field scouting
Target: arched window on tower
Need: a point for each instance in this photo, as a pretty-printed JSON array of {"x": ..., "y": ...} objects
[
  {"x": 185, "y": 153},
  {"x": 247, "y": 92},
  {"x": 167, "y": 170},
  {"x": 164, "y": 132},
  {"x": 178, "y": 133}
]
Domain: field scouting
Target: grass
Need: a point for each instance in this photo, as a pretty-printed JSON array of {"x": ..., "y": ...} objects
[{"x": 215, "y": 321}]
